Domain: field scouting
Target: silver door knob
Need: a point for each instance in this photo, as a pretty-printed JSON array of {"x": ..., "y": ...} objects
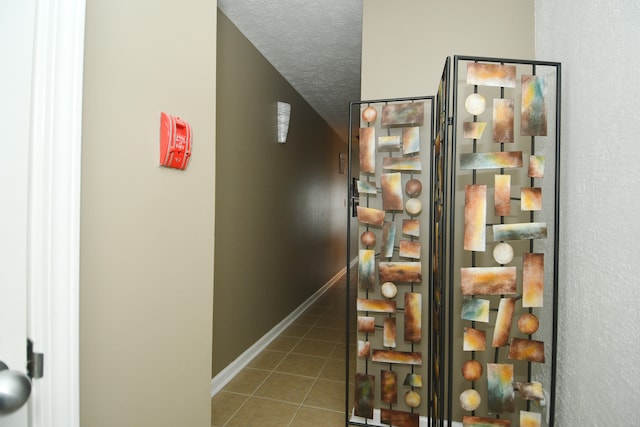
[{"x": 15, "y": 388}]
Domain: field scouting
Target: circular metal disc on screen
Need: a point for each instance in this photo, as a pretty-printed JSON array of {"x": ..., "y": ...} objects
[
  {"x": 528, "y": 323},
  {"x": 369, "y": 114},
  {"x": 368, "y": 238},
  {"x": 413, "y": 187},
  {"x": 413, "y": 206},
  {"x": 412, "y": 399},
  {"x": 475, "y": 104},
  {"x": 472, "y": 370},
  {"x": 470, "y": 400},
  {"x": 389, "y": 289},
  {"x": 503, "y": 253}
]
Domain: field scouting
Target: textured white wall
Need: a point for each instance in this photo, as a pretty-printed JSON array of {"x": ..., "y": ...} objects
[{"x": 599, "y": 336}]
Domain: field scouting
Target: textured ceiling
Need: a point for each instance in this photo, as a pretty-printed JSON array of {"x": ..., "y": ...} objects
[{"x": 315, "y": 45}]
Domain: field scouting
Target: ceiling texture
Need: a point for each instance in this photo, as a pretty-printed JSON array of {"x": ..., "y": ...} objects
[{"x": 315, "y": 45}]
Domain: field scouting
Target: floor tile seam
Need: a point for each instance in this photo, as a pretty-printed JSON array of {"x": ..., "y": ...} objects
[
  {"x": 306, "y": 338},
  {"x": 269, "y": 372},
  {"x": 327, "y": 340},
  {"x": 294, "y": 375},
  {"x": 315, "y": 340},
  {"x": 317, "y": 379},
  {"x": 328, "y": 327},
  {"x": 237, "y": 411},
  {"x": 306, "y": 355},
  {"x": 310, "y": 355},
  {"x": 330, "y": 380},
  {"x": 287, "y": 353},
  {"x": 294, "y": 416},
  {"x": 265, "y": 398},
  {"x": 327, "y": 343},
  {"x": 274, "y": 400},
  {"x": 317, "y": 323},
  {"x": 253, "y": 394},
  {"x": 307, "y": 394},
  {"x": 239, "y": 393},
  {"x": 302, "y": 406},
  {"x": 315, "y": 355},
  {"x": 321, "y": 408},
  {"x": 326, "y": 360}
]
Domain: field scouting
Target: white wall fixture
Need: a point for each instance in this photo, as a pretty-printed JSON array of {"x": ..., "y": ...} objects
[{"x": 284, "y": 113}]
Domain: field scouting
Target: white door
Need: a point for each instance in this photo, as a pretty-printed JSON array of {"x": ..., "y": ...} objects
[
  {"x": 41, "y": 46},
  {"x": 16, "y": 49}
]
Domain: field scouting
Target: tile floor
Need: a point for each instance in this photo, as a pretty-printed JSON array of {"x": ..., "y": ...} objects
[{"x": 299, "y": 379}]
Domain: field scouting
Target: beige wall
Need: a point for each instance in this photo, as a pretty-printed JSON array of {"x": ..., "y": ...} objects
[
  {"x": 281, "y": 219},
  {"x": 146, "y": 232},
  {"x": 405, "y": 42}
]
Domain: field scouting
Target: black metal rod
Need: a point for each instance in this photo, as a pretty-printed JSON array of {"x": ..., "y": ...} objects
[
  {"x": 432, "y": 175},
  {"x": 452, "y": 202},
  {"x": 507, "y": 60},
  {"x": 348, "y": 302},
  {"x": 556, "y": 255}
]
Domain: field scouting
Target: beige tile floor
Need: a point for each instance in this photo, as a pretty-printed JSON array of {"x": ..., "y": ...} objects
[{"x": 299, "y": 379}]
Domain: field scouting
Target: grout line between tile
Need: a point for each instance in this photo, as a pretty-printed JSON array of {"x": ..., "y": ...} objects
[{"x": 339, "y": 298}]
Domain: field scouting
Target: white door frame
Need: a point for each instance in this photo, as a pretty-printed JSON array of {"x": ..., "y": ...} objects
[{"x": 54, "y": 219}]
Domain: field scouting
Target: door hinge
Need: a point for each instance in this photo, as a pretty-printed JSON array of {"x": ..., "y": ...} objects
[{"x": 35, "y": 362}]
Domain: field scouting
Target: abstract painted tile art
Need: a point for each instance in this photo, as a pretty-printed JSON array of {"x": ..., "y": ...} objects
[
  {"x": 452, "y": 313},
  {"x": 410, "y": 140},
  {"x": 364, "y": 398},
  {"x": 367, "y": 269},
  {"x": 400, "y": 271},
  {"x": 392, "y": 199},
  {"x": 534, "y": 110},
  {"x": 474, "y": 340},
  {"x": 409, "y": 113},
  {"x": 488, "y": 281},
  {"x": 500, "y": 388},
  {"x": 520, "y": 231},
  {"x": 392, "y": 356},
  {"x": 475, "y": 309},
  {"x": 475, "y": 217},
  {"x": 532, "y": 280},
  {"x": 473, "y": 130},
  {"x": 413, "y": 317},
  {"x": 368, "y": 149},
  {"x": 503, "y": 122},
  {"x": 402, "y": 163},
  {"x": 496, "y": 75},
  {"x": 502, "y": 195},
  {"x": 502, "y": 329},
  {"x": 494, "y": 160}
]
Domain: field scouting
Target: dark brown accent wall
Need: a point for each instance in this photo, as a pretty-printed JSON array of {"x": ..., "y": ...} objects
[{"x": 280, "y": 231}]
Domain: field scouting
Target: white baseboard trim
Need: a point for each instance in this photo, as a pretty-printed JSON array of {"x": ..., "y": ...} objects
[{"x": 228, "y": 373}]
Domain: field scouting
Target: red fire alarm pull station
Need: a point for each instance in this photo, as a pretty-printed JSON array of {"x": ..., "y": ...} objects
[{"x": 175, "y": 141}]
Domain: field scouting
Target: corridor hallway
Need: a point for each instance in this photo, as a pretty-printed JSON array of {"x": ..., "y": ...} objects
[{"x": 299, "y": 379}]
